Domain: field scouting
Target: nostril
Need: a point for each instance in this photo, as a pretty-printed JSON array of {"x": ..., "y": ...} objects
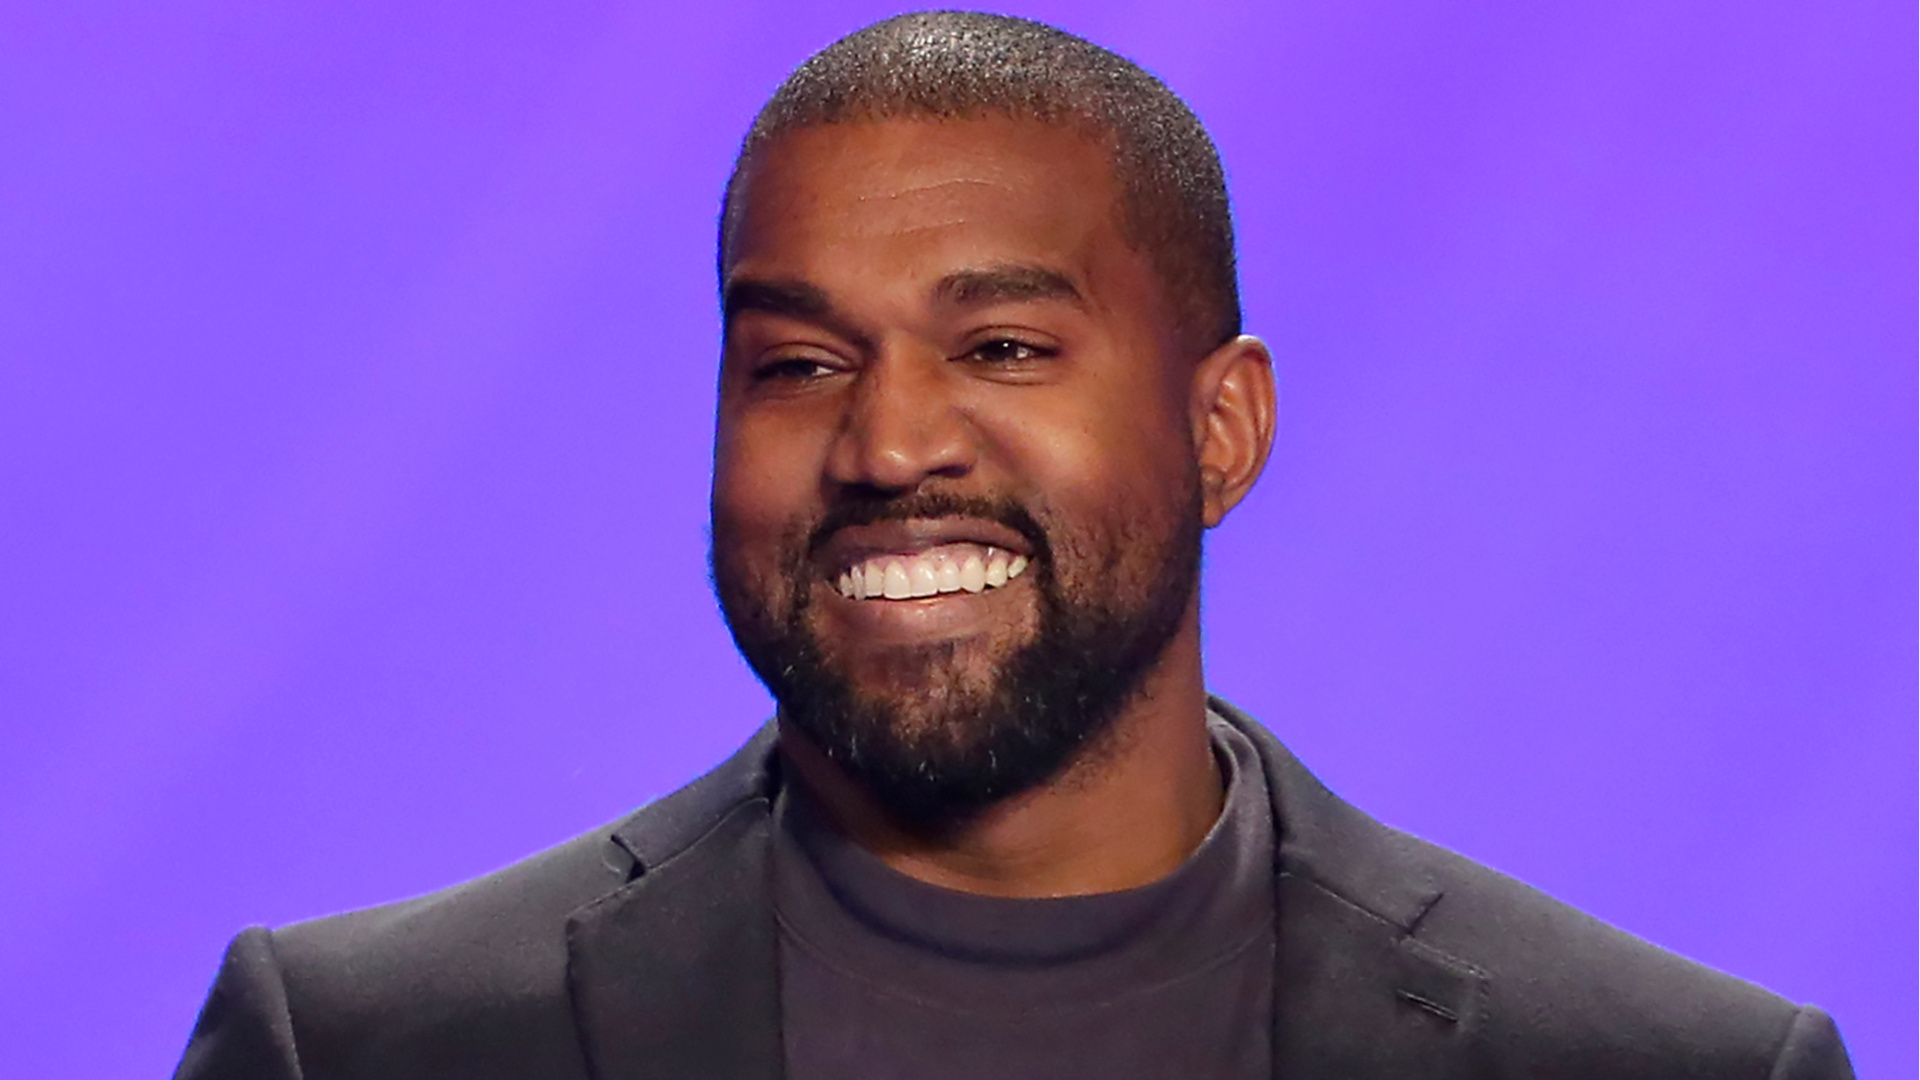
[{"x": 897, "y": 465}]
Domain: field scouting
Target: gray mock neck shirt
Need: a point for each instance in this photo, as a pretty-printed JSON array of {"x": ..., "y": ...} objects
[{"x": 883, "y": 977}]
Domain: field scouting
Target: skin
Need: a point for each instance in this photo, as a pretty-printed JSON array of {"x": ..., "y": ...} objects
[{"x": 949, "y": 306}]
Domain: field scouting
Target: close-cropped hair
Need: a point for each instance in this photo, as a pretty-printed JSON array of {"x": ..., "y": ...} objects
[{"x": 951, "y": 65}]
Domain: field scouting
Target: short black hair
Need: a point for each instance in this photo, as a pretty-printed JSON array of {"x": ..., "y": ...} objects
[{"x": 965, "y": 65}]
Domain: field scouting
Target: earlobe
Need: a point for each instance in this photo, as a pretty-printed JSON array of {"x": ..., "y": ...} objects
[{"x": 1233, "y": 423}]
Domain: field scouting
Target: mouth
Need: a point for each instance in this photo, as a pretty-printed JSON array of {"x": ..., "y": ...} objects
[
  {"x": 887, "y": 562},
  {"x": 933, "y": 571}
]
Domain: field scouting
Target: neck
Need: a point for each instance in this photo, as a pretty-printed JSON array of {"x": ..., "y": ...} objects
[{"x": 1124, "y": 814}]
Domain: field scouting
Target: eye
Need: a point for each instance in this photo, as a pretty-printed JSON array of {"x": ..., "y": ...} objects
[
  {"x": 1004, "y": 351},
  {"x": 792, "y": 369}
]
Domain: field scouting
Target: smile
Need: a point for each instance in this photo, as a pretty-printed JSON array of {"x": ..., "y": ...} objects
[{"x": 947, "y": 568}]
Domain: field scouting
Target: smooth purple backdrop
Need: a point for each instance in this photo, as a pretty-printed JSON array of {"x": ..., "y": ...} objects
[{"x": 356, "y": 367}]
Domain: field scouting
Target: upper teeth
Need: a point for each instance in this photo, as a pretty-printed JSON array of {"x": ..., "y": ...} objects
[{"x": 945, "y": 569}]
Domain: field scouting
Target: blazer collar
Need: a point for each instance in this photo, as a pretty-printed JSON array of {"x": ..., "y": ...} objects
[
  {"x": 674, "y": 975},
  {"x": 1356, "y": 992}
]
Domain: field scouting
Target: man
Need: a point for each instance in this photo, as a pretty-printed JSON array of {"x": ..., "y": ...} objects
[{"x": 982, "y": 389}]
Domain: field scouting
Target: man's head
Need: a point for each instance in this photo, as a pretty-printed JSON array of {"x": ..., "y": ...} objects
[
  {"x": 981, "y": 391},
  {"x": 952, "y": 65}
]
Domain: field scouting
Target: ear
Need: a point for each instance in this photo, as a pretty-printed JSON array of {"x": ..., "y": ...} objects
[{"x": 1232, "y": 417}]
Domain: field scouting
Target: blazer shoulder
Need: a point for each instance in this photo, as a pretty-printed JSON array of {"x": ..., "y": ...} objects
[
  {"x": 482, "y": 965},
  {"x": 1559, "y": 992},
  {"x": 1565, "y": 989},
  {"x": 516, "y": 915}
]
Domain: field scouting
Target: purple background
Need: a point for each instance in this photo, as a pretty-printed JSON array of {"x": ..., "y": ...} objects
[{"x": 356, "y": 368}]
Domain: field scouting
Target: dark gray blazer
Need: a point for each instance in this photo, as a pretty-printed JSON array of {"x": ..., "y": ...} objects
[{"x": 647, "y": 950}]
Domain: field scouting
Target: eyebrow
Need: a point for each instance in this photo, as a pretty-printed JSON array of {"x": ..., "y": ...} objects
[
  {"x": 1007, "y": 284},
  {"x": 792, "y": 299},
  {"x": 795, "y": 299},
  {"x": 979, "y": 287}
]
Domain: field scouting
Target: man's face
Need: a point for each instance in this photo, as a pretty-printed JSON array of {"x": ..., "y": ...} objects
[{"x": 955, "y": 506}]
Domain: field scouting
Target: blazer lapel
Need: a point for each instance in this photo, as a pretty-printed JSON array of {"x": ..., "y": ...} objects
[
  {"x": 1356, "y": 994},
  {"x": 1355, "y": 998},
  {"x": 674, "y": 976}
]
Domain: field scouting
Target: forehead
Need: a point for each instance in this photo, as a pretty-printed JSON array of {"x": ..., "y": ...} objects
[{"x": 895, "y": 199}]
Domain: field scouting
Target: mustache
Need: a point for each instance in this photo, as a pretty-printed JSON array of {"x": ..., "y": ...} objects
[{"x": 857, "y": 510}]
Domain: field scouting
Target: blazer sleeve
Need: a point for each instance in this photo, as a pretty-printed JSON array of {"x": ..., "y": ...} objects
[
  {"x": 1813, "y": 1050},
  {"x": 245, "y": 1031}
]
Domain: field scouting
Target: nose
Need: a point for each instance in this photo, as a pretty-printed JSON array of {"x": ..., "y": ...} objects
[{"x": 901, "y": 427}]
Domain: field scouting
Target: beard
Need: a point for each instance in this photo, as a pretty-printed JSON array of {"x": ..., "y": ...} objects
[{"x": 938, "y": 740}]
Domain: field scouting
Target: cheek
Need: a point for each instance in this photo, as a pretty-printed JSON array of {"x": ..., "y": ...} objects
[
  {"x": 763, "y": 504},
  {"x": 763, "y": 481},
  {"x": 1103, "y": 460}
]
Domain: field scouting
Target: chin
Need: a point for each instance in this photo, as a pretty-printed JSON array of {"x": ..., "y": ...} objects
[{"x": 919, "y": 685}]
